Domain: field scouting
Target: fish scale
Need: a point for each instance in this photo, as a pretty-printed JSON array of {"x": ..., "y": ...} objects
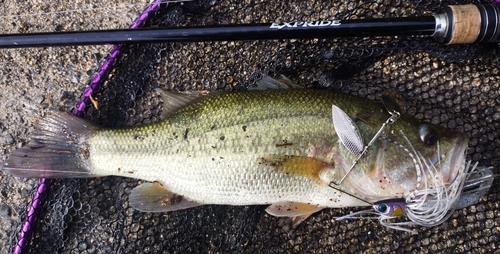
[{"x": 186, "y": 164}]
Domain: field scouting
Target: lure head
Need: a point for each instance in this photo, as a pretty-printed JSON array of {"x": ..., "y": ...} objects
[{"x": 390, "y": 207}]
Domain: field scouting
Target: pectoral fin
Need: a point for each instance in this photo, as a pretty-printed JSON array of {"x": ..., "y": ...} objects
[
  {"x": 297, "y": 165},
  {"x": 153, "y": 197}
]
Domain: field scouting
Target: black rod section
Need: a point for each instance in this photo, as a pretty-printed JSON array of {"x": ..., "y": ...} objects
[
  {"x": 284, "y": 30},
  {"x": 457, "y": 24}
]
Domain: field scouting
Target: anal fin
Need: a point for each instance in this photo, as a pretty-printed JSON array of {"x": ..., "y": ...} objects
[{"x": 154, "y": 197}]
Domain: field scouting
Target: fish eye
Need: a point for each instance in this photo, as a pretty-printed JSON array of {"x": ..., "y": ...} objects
[{"x": 428, "y": 135}]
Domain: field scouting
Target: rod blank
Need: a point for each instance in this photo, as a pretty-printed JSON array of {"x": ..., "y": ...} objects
[{"x": 458, "y": 24}]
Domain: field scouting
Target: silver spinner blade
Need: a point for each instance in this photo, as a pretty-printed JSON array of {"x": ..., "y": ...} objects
[{"x": 347, "y": 131}]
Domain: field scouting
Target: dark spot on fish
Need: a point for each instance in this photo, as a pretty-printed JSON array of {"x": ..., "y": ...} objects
[
  {"x": 153, "y": 133},
  {"x": 213, "y": 127},
  {"x": 119, "y": 169},
  {"x": 221, "y": 158},
  {"x": 288, "y": 209},
  {"x": 85, "y": 152},
  {"x": 214, "y": 147},
  {"x": 138, "y": 137},
  {"x": 176, "y": 199},
  {"x": 248, "y": 136},
  {"x": 284, "y": 144},
  {"x": 165, "y": 200},
  {"x": 213, "y": 159},
  {"x": 244, "y": 127},
  {"x": 130, "y": 172},
  {"x": 273, "y": 164},
  {"x": 222, "y": 137},
  {"x": 186, "y": 133},
  {"x": 25, "y": 155}
]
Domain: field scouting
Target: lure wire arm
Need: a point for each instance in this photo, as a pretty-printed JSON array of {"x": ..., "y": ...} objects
[
  {"x": 331, "y": 185},
  {"x": 392, "y": 119}
]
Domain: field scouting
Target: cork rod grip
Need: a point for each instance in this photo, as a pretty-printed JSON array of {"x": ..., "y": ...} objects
[{"x": 464, "y": 24}]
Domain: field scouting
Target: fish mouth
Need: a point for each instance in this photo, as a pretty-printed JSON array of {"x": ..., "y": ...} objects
[{"x": 456, "y": 160}]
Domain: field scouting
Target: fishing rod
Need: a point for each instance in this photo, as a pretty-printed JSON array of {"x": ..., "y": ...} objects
[{"x": 456, "y": 24}]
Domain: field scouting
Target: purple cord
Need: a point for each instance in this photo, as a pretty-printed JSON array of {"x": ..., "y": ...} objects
[
  {"x": 26, "y": 231},
  {"x": 24, "y": 235},
  {"x": 108, "y": 64}
]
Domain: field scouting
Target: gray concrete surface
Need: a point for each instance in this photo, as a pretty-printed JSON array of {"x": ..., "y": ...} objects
[{"x": 35, "y": 80}]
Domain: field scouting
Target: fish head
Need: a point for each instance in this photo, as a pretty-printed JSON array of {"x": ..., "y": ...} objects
[{"x": 409, "y": 155}]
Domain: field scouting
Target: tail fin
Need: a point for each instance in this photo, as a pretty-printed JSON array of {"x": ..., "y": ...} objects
[{"x": 58, "y": 149}]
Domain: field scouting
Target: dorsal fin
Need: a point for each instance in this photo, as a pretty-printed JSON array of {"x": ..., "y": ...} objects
[
  {"x": 174, "y": 101},
  {"x": 278, "y": 82}
]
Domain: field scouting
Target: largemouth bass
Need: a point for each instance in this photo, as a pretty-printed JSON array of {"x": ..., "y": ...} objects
[{"x": 274, "y": 147}]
